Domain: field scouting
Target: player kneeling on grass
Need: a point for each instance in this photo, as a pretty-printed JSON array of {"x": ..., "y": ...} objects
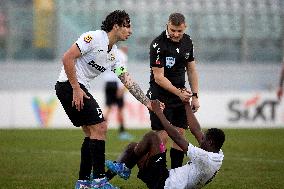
[{"x": 150, "y": 156}]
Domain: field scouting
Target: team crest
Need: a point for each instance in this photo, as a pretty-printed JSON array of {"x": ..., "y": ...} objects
[
  {"x": 88, "y": 39},
  {"x": 170, "y": 62}
]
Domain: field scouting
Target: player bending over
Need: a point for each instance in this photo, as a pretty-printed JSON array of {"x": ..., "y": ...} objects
[{"x": 150, "y": 156}]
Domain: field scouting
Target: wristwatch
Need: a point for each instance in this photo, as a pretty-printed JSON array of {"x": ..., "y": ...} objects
[{"x": 195, "y": 94}]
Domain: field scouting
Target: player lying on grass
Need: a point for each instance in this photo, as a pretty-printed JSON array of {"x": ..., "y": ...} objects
[{"x": 150, "y": 156}]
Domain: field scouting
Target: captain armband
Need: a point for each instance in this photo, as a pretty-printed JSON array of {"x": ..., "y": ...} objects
[{"x": 120, "y": 70}]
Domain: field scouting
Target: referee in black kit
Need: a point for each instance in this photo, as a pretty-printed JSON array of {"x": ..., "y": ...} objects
[{"x": 171, "y": 55}]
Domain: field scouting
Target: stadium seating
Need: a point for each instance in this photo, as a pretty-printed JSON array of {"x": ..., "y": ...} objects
[{"x": 241, "y": 24}]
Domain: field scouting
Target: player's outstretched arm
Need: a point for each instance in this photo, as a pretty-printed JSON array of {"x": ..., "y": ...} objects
[
  {"x": 193, "y": 123},
  {"x": 135, "y": 89},
  {"x": 169, "y": 128}
]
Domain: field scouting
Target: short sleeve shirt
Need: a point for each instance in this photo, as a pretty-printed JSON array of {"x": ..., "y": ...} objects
[
  {"x": 95, "y": 57},
  {"x": 201, "y": 169},
  {"x": 173, "y": 57}
]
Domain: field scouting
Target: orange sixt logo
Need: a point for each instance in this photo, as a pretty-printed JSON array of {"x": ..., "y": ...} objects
[{"x": 44, "y": 110}]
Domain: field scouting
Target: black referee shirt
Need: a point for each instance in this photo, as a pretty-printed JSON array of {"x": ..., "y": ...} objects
[{"x": 173, "y": 56}]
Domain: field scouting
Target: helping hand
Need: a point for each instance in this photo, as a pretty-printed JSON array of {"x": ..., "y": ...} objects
[
  {"x": 185, "y": 94},
  {"x": 194, "y": 105},
  {"x": 157, "y": 106}
]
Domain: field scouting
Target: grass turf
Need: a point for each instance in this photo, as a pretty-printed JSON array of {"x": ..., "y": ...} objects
[{"x": 49, "y": 159}]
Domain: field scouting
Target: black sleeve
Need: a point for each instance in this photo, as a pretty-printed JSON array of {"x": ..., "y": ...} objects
[{"x": 156, "y": 55}]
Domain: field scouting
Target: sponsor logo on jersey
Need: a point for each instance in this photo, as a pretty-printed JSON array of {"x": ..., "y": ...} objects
[
  {"x": 155, "y": 45},
  {"x": 112, "y": 57},
  {"x": 158, "y": 60},
  {"x": 170, "y": 62},
  {"x": 158, "y": 51},
  {"x": 177, "y": 50},
  {"x": 186, "y": 55},
  {"x": 88, "y": 39},
  {"x": 98, "y": 67}
]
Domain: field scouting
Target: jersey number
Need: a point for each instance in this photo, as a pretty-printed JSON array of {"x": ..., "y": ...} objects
[{"x": 100, "y": 113}]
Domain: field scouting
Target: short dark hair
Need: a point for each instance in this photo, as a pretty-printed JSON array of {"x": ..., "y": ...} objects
[
  {"x": 217, "y": 136},
  {"x": 177, "y": 19},
  {"x": 119, "y": 17}
]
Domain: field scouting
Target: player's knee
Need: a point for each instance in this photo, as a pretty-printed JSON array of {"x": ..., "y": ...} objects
[
  {"x": 86, "y": 131},
  {"x": 151, "y": 135},
  {"x": 131, "y": 146},
  {"x": 98, "y": 130}
]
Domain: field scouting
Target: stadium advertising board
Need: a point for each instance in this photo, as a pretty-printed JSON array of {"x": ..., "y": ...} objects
[{"x": 41, "y": 109}]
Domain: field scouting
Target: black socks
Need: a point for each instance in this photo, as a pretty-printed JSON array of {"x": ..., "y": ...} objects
[
  {"x": 86, "y": 164},
  {"x": 97, "y": 149}
]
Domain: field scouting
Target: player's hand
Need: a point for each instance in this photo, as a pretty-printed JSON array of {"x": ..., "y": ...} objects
[
  {"x": 279, "y": 93},
  {"x": 185, "y": 94},
  {"x": 150, "y": 105},
  {"x": 156, "y": 106},
  {"x": 78, "y": 98},
  {"x": 194, "y": 104}
]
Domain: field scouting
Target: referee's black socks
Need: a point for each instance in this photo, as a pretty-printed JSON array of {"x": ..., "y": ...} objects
[{"x": 176, "y": 158}]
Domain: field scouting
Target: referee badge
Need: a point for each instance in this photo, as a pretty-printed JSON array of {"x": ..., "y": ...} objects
[{"x": 170, "y": 62}]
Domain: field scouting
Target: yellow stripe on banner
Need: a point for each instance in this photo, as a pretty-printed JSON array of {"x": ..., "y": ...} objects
[{"x": 43, "y": 23}]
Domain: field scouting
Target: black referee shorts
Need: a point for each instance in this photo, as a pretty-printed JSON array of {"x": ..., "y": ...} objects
[
  {"x": 174, "y": 111},
  {"x": 91, "y": 113},
  {"x": 175, "y": 115},
  {"x": 111, "y": 89}
]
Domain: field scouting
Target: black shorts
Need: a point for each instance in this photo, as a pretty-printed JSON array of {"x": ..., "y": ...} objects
[
  {"x": 111, "y": 89},
  {"x": 176, "y": 116},
  {"x": 174, "y": 111},
  {"x": 91, "y": 113},
  {"x": 155, "y": 172}
]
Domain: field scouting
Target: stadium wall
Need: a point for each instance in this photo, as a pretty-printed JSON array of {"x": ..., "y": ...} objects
[
  {"x": 231, "y": 95},
  {"x": 225, "y": 76},
  {"x": 41, "y": 109}
]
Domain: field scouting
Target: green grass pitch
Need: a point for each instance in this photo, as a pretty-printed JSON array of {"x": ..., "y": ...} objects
[{"x": 49, "y": 159}]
